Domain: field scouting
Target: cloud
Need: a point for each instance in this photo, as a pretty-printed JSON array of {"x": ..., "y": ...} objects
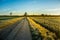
[{"x": 56, "y": 9}]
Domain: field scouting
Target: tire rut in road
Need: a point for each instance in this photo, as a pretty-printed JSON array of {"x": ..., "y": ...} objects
[{"x": 21, "y": 32}]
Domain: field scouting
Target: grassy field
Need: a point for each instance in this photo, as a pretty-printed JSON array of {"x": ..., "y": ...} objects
[
  {"x": 5, "y": 21},
  {"x": 41, "y": 27},
  {"x": 51, "y": 24}
]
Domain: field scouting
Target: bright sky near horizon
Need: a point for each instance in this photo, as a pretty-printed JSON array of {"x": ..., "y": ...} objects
[{"x": 30, "y": 6}]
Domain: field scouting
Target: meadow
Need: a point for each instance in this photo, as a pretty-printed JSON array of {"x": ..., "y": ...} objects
[
  {"x": 50, "y": 25},
  {"x": 41, "y": 27},
  {"x": 8, "y": 20}
]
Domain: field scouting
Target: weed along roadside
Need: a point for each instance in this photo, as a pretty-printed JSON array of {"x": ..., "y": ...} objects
[{"x": 34, "y": 33}]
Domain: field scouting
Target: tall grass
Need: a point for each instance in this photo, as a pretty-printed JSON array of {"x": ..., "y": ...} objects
[
  {"x": 46, "y": 34},
  {"x": 9, "y": 22},
  {"x": 50, "y": 23}
]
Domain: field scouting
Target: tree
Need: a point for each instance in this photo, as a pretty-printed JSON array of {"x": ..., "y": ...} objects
[
  {"x": 42, "y": 14},
  {"x": 10, "y": 13},
  {"x": 25, "y": 14}
]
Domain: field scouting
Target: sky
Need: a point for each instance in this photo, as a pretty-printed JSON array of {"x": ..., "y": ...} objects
[{"x": 18, "y": 7}]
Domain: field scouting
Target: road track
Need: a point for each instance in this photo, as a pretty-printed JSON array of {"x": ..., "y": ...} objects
[{"x": 17, "y": 31}]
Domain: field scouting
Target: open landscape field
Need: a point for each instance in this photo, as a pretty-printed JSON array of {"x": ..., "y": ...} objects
[
  {"x": 29, "y": 19},
  {"x": 49, "y": 23},
  {"x": 8, "y": 20},
  {"x": 30, "y": 28}
]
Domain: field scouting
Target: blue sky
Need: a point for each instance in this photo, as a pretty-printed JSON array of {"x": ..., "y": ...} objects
[{"x": 30, "y": 6}]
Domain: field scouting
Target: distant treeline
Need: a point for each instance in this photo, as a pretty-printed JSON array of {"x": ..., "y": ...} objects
[{"x": 30, "y": 16}]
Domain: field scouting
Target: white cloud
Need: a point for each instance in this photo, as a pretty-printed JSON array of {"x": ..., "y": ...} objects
[{"x": 56, "y": 9}]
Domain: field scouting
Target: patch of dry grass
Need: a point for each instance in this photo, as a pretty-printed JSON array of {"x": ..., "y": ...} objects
[
  {"x": 46, "y": 34},
  {"x": 9, "y": 22}
]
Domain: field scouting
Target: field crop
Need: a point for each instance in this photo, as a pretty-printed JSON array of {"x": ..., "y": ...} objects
[
  {"x": 50, "y": 23},
  {"x": 2, "y": 19},
  {"x": 5, "y": 21},
  {"x": 44, "y": 33}
]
